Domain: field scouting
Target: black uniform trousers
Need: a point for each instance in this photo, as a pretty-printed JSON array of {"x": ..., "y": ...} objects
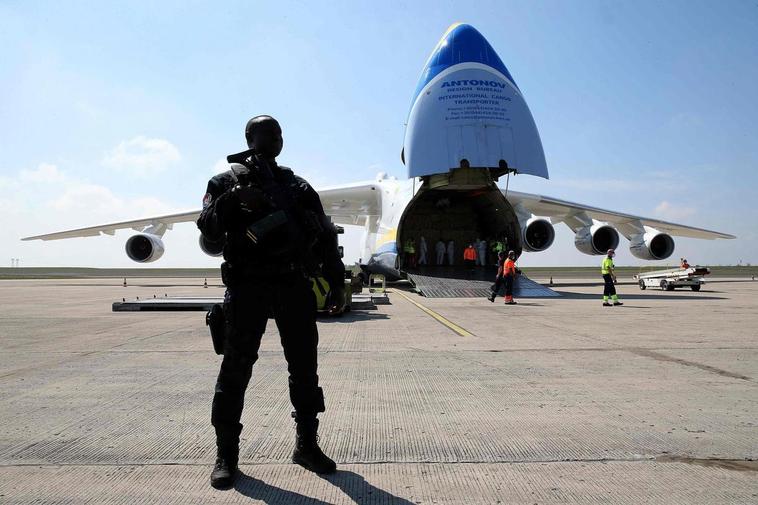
[
  {"x": 498, "y": 283},
  {"x": 503, "y": 279},
  {"x": 608, "y": 289},
  {"x": 247, "y": 307}
]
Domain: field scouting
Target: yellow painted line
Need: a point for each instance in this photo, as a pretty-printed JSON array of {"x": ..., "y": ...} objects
[{"x": 457, "y": 329}]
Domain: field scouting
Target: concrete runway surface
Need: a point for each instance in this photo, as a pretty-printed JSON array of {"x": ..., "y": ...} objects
[{"x": 555, "y": 400}]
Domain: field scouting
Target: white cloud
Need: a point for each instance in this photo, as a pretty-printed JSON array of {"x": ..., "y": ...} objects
[
  {"x": 85, "y": 197},
  {"x": 35, "y": 208},
  {"x": 44, "y": 173},
  {"x": 142, "y": 156},
  {"x": 672, "y": 212}
]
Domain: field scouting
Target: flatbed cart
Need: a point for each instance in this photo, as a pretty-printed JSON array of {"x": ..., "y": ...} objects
[{"x": 668, "y": 280}]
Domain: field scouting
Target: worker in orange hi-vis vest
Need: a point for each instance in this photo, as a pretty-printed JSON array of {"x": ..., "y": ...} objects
[
  {"x": 469, "y": 257},
  {"x": 509, "y": 274}
]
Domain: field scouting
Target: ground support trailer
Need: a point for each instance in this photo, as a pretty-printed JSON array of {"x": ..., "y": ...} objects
[{"x": 668, "y": 280}]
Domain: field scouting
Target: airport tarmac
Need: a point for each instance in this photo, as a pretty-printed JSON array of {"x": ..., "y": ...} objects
[{"x": 555, "y": 400}]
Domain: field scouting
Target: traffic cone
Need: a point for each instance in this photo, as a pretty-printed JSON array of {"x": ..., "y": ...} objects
[
  {"x": 124, "y": 281},
  {"x": 205, "y": 283},
  {"x": 551, "y": 281}
]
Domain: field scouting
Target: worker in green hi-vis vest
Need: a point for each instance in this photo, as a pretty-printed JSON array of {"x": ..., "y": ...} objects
[
  {"x": 409, "y": 248},
  {"x": 609, "y": 278}
]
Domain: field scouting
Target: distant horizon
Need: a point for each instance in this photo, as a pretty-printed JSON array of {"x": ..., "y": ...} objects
[{"x": 353, "y": 265}]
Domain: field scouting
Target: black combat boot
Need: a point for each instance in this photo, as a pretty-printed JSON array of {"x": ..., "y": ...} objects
[
  {"x": 224, "y": 471},
  {"x": 307, "y": 452}
]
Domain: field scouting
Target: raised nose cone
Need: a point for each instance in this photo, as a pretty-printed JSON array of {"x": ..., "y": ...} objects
[
  {"x": 468, "y": 112},
  {"x": 461, "y": 43}
]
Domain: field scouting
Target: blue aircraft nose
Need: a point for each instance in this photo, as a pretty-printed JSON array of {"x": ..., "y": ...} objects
[
  {"x": 468, "y": 112},
  {"x": 461, "y": 43}
]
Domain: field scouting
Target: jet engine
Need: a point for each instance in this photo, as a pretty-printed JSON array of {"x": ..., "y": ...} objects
[
  {"x": 537, "y": 234},
  {"x": 652, "y": 245},
  {"x": 144, "y": 248},
  {"x": 596, "y": 239},
  {"x": 211, "y": 248}
]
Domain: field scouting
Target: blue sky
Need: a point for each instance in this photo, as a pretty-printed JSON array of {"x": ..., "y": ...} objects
[{"x": 115, "y": 111}]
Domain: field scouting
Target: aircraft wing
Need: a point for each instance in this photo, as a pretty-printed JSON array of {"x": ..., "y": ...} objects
[
  {"x": 166, "y": 222},
  {"x": 575, "y": 214},
  {"x": 347, "y": 204},
  {"x": 351, "y": 203}
]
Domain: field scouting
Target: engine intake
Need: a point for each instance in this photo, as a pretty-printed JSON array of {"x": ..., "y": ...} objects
[
  {"x": 537, "y": 234},
  {"x": 211, "y": 248},
  {"x": 652, "y": 245},
  {"x": 596, "y": 239},
  {"x": 144, "y": 248}
]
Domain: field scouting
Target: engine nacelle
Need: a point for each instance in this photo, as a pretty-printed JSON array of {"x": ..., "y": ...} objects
[
  {"x": 537, "y": 234},
  {"x": 652, "y": 245},
  {"x": 144, "y": 248},
  {"x": 596, "y": 239},
  {"x": 211, "y": 248}
]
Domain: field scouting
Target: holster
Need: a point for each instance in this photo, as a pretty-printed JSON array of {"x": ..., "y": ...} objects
[{"x": 216, "y": 324}]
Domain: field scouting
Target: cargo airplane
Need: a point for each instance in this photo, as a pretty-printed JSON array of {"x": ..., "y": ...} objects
[{"x": 468, "y": 126}]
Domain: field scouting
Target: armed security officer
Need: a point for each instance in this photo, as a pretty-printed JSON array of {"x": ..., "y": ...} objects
[{"x": 276, "y": 234}]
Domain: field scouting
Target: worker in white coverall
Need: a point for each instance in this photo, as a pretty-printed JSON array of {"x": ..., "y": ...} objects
[
  {"x": 481, "y": 258},
  {"x": 422, "y": 251},
  {"x": 451, "y": 252},
  {"x": 439, "y": 248}
]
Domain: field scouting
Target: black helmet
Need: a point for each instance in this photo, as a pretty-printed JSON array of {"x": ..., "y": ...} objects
[{"x": 264, "y": 134}]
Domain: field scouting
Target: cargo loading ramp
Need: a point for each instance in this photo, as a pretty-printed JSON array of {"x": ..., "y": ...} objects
[{"x": 457, "y": 282}]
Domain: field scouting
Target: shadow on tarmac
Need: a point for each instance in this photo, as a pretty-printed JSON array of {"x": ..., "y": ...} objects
[
  {"x": 351, "y": 483},
  {"x": 624, "y": 296},
  {"x": 360, "y": 491},
  {"x": 352, "y": 316},
  {"x": 271, "y": 495},
  {"x": 518, "y": 302}
]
